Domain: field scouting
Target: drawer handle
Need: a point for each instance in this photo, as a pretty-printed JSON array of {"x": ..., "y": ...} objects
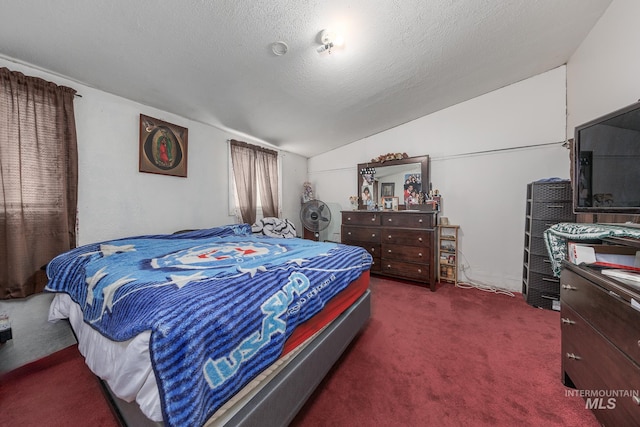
[
  {"x": 419, "y": 270},
  {"x": 348, "y": 218},
  {"x": 546, "y": 261},
  {"x": 373, "y": 218},
  {"x": 349, "y": 233},
  {"x": 419, "y": 254},
  {"x": 373, "y": 249},
  {"x": 420, "y": 220},
  {"x": 573, "y": 356},
  {"x": 569, "y": 287},
  {"x": 373, "y": 234},
  {"x": 390, "y": 220},
  {"x": 567, "y": 321},
  {"x": 636, "y": 399},
  {"x": 388, "y": 265},
  {"x": 548, "y": 279},
  {"x": 555, "y": 206},
  {"x": 388, "y": 237},
  {"x": 389, "y": 250},
  {"x": 419, "y": 239}
]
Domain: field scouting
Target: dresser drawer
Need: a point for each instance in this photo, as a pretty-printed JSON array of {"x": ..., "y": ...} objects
[
  {"x": 360, "y": 234},
  {"x": 544, "y": 282},
  {"x": 610, "y": 315},
  {"x": 552, "y": 191},
  {"x": 541, "y": 264},
  {"x": 407, "y": 219},
  {"x": 372, "y": 247},
  {"x": 536, "y": 245},
  {"x": 558, "y": 211},
  {"x": 539, "y": 226},
  {"x": 596, "y": 366},
  {"x": 408, "y": 270},
  {"x": 360, "y": 218},
  {"x": 399, "y": 236},
  {"x": 406, "y": 253},
  {"x": 375, "y": 265},
  {"x": 410, "y": 236}
]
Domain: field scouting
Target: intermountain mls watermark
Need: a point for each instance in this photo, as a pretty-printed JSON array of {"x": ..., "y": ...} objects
[{"x": 602, "y": 399}]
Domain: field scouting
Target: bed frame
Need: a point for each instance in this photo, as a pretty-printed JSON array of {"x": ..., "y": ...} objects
[{"x": 278, "y": 402}]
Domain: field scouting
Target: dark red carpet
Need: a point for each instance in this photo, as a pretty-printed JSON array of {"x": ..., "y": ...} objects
[
  {"x": 58, "y": 390},
  {"x": 454, "y": 357}
]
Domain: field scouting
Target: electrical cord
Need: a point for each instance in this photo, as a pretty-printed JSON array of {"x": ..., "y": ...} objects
[{"x": 470, "y": 283}]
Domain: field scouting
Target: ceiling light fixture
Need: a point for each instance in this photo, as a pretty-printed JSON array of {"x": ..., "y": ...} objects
[{"x": 328, "y": 40}]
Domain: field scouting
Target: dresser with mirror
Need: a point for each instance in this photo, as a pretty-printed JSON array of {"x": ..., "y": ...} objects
[{"x": 399, "y": 235}]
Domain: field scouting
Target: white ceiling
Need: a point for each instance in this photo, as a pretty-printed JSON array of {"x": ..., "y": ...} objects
[{"x": 211, "y": 61}]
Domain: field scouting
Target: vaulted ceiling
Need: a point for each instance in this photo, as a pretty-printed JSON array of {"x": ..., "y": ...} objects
[{"x": 213, "y": 62}]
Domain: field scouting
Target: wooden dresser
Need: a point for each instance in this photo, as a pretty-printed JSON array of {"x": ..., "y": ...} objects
[
  {"x": 601, "y": 343},
  {"x": 402, "y": 243}
]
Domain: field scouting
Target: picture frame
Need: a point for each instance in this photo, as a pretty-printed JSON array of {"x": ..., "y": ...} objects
[
  {"x": 412, "y": 188},
  {"x": 387, "y": 189},
  {"x": 163, "y": 147},
  {"x": 389, "y": 203},
  {"x": 367, "y": 195}
]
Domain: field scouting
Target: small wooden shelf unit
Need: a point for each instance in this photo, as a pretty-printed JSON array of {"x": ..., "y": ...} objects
[{"x": 448, "y": 253}]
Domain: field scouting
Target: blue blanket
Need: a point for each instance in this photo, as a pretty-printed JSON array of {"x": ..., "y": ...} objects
[{"x": 219, "y": 303}]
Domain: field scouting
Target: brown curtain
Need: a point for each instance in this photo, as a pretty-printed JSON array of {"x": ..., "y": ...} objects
[
  {"x": 267, "y": 168},
  {"x": 38, "y": 179},
  {"x": 255, "y": 166}
]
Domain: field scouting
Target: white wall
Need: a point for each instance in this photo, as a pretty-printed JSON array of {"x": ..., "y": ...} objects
[
  {"x": 477, "y": 165},
  {"x": 116, "y": 200},
  {"x": 603, "y": 74},
  {"x": 294, "y": 174}
]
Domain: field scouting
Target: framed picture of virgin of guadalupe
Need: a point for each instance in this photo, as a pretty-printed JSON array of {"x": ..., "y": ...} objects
[{"x": 163, "y": 147}]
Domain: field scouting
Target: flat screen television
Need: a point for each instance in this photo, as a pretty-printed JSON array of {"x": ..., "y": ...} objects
[{"x": 606, "y": 163}]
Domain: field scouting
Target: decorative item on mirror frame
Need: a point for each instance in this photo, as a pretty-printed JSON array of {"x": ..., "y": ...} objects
[{"x": 389, "y": 156}]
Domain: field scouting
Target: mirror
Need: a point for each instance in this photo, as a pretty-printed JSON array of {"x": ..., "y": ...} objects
[{"x": 404, "y": 179}]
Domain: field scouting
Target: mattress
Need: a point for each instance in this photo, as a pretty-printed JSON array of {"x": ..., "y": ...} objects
[{"x": 126, "y": 366}]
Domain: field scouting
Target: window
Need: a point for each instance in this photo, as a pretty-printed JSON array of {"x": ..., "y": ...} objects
[
  {"x": 38, "y": 179},
  {"x": 255, "y": 178}
]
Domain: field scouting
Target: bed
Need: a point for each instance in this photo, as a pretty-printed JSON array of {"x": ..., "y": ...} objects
[{"x": 217, "y": 326}]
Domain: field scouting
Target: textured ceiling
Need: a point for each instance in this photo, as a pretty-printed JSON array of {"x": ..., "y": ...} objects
[{"x": 211, "y": 61}]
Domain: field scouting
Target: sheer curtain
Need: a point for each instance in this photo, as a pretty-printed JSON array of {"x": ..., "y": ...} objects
[
  {"x": 243, "y": 160},
  {"x": 38, "y": 179},
  {"x": 255, "y": 167}
]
